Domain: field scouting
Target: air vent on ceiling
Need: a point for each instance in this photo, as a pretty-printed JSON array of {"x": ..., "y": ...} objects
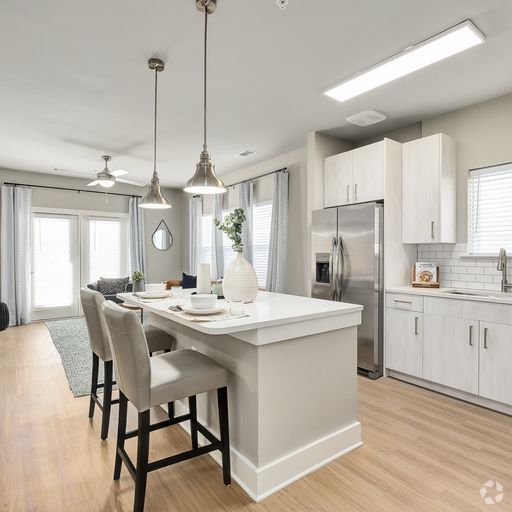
[
  {"x": 245, "y": 154},
  {"x": 367, "y": 118}
]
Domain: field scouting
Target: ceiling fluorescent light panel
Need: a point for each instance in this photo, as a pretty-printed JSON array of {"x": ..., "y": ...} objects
[{"x": 439, "y": 47}]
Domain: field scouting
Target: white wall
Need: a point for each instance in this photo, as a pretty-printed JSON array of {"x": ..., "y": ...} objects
[
  {"x": 484, "y": 137},
  {"x": 160, "y": 265}
]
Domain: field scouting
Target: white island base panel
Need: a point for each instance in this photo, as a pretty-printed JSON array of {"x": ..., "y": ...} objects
[{"x": 292, "y": 403}]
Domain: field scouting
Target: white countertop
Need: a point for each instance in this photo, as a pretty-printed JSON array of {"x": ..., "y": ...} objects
[
  {"x": 463, "y": 294},
  {"x": 268, "y": 309}
]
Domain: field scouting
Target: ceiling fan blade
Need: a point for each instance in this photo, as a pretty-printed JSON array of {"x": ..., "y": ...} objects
[
  {"x": 130, "y": 182},
  {"x": 93, "y": 183},
  {"x": 119, "y": 172},
  {"x": 75, "y": 174}
]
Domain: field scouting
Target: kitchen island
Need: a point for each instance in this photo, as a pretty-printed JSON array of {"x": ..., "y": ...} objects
[{"x": 292, "y": 383}]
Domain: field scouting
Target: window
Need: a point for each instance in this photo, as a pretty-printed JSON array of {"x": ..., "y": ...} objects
[
  {"x": 206, "y": 239},
  {"x": 490, "y": 210},
  {"x": 261, "y": 219},
  {"x": 54, "y": 268},
  {"x": 105, "y": 252}
]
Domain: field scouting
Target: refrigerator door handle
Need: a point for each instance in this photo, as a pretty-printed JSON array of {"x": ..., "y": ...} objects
[
  {"x": 332, "y": 273},
  {"x": 340, "y": 268}
]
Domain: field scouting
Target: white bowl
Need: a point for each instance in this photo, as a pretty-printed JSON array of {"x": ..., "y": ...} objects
[
  {"x": 155, "y": 288},
  {"x": 203, "y": 300}
]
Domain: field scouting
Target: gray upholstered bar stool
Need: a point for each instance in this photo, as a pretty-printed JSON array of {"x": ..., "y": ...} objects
[
  {"x": 148, "y": 382},
  {"x": 98, "y": 338}
]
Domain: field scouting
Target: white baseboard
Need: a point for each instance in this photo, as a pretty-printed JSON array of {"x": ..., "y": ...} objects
[
  {"x": 261, "y": 482},
  {"x": 455, "y": 393}
]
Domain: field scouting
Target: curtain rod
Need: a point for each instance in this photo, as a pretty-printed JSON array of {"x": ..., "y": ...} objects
[
  {"x": 283, "y": 169},
  {"x": 71, "y": 189}
]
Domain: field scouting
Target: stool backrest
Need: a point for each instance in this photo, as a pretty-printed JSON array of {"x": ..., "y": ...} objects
[
  {"x": 98, "y": 333},
  {"x": 130, "y": 354}
]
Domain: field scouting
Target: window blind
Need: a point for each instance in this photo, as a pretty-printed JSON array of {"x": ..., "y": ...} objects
[
  {"x": 262, "y": 219},
  {"x": 52, "y": 253},
  {"x": 206, "y": 239},
  {"x": 105, "y": 251},
  {"x": 490, "y": 210}
]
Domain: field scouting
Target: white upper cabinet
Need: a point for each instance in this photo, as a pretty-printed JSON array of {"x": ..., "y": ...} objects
[
  {"x": 356, "y": 176},
  {"x": 339, "y": 179},
  {"x": 429, "y": 190},
  {"x": 369, "y": 172}
]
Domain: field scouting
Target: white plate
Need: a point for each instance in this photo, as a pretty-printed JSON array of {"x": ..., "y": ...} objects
[
  {"x": 193, "y": 311},
  {"x": 156, "y": 295}
]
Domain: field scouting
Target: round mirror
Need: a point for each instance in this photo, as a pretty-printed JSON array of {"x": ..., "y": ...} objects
[{"x": 162, "y": 237}]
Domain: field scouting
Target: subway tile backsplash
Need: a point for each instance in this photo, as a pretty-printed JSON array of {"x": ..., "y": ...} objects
[{"x": 460, "y": 271}]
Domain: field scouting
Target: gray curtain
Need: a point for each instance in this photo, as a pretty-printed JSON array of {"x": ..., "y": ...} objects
[
  {"x": 276, "y": 274},
  {"x": 136, "y": 236},
  {"x": 218, "y": 246},
  {"x": 15, "y": 253},
  {"x": 195, "y": 209},
  {"x": 245, "y": 192}
]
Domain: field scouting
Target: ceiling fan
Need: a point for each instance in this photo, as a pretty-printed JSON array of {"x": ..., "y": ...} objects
[{"x": 105, "y": 178}]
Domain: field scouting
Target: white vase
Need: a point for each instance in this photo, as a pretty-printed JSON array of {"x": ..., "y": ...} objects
[{"x": 240, "y": 281}]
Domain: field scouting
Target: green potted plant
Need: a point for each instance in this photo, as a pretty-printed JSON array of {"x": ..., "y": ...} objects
[
  {"x": 138, "y": 281},
  {"x": 240, "y": 281}
]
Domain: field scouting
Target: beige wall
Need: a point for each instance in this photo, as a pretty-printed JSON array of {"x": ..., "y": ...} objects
[
  {"x": 159, "y": 264},
  {"x": 484, "y": 137}
]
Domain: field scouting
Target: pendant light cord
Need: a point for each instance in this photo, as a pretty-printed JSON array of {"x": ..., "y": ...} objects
[
  {"x": 204, "y": 70},
  {"x": 154, "y": 131}
]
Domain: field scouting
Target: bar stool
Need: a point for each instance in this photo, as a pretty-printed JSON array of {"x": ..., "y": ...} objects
[
  {"x": 148, "y": 382},
  {"x": 98, "y": 338}
]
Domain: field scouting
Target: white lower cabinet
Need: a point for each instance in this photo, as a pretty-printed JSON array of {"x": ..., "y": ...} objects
[
  {"x": 450, "y": 352},
  {"x": 404, "y": 341},
  {"x": 495, "y": 380}
]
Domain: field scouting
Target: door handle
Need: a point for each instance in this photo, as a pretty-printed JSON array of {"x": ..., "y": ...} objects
[
  {"x": 470, "y": 335},
  {"x": 485, "y": 337},
  {"x": 348, "y": 193},
  {"x": 432, "y": 230},
  {"x": 355, "y": 192},
  {"x": 331, "y": 269},
  {"x": 416, "y": 325},
  {"x": 340, "y": 267}
]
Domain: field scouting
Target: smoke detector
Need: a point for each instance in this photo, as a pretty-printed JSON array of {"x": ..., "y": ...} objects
[
  {"x": 246, "y": 154},
  {"x": 367, "y": 118},
  {"x": 282, "y": 4}
]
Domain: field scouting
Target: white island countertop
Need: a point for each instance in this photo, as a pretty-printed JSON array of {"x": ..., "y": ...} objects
[{"x": 268, "y": 310}]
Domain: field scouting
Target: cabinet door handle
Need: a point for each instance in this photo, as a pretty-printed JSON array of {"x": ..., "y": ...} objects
[
  {"x": 348, "y": 193},
  {"x": 470, "y": 335},
  {"x": 403, "y": 301},
  {"x": 355, "y": 192},
  {"x": 416, "y": 326},
  {"x": 432, "y": 231},
  {"x": 485, "y": 337}
]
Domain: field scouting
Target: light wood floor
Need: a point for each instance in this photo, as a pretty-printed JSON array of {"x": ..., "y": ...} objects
[{"x": 422, "y": 451}]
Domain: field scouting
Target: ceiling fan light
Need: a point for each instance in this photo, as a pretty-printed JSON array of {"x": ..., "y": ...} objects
[
  {"x": 205, "y": 181},
  {"x": 106, "y": 183}
]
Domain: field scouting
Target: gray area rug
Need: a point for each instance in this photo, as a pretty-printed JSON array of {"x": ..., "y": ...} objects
[{"x": 71, "y": 339}]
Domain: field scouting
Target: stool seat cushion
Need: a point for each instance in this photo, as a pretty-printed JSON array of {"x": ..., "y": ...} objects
[
  {"x": 184, "y": 373},
  {"x": 157, "y": 339}
]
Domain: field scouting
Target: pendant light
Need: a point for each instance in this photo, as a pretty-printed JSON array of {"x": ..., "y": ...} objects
[
  {"x": 205, "y": 181},
  {"x": 154, "y": 197}
]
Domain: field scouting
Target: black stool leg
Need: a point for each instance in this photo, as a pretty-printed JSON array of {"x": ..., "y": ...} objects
[
  {"x": 121, "y": 432},
  {"x": 222, "y": 397},
  {"x": 94, "y": 383},
  {"x": 192, "y": 406},
  {"x": 107, "y": 399},
  {"x": 142, "y": 462},
  {"x": 170, "y": 410}
]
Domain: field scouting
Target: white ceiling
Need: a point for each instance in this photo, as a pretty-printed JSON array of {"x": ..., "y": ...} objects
[{"x": 75, "y": 84}]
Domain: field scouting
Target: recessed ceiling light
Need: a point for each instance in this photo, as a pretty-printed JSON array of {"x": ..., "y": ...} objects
[
  {"x": 439, "y": 47},
  {"x": 367, "y": 118}
]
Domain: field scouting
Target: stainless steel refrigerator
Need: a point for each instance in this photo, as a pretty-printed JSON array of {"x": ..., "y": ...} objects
[{"x": 348, "y": 259}]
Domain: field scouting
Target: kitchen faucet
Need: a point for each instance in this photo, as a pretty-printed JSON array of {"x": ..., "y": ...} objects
[{"x": 502, "y": 265}]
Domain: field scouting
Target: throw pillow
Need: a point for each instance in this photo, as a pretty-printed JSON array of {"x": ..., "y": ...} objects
[
  {"x": 111, "y": 286},
  {"x": 188, "y": 281}
]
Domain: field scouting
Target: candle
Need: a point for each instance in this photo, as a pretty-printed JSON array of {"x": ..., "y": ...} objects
[{"x": 203, "y": 278}]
